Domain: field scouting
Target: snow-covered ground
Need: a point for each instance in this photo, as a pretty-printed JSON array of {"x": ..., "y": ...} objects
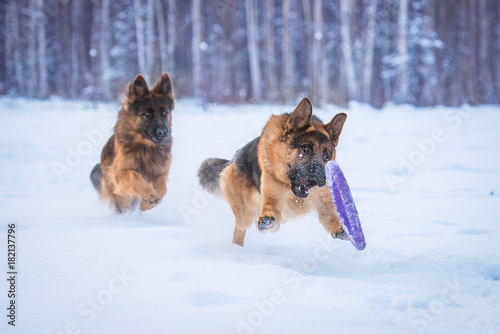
[{"x": 427, "y": 187}]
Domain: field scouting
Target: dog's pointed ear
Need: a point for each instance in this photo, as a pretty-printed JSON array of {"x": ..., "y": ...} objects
[
  {"x": 301, "y": 116},
  {"x": 334, "y": 128},
  {"x": 163, "y": 86},
  {"x": 138, "y": 88}
]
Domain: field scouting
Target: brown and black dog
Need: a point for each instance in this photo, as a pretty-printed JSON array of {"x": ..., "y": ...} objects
[
  {"x": 136, "y": 159},
  {"x": 280, "y": 174}
]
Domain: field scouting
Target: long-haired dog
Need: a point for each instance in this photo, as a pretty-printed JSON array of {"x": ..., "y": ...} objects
[{"x": 136, "y": 159}]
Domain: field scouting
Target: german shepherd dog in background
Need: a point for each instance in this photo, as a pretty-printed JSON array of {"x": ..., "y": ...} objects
[
  {"x": 136, "y": 159},
  {"x": 279, "y": 175}
]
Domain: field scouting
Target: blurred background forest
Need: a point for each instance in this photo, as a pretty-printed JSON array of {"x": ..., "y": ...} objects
[{"x": 423, "y": 52}]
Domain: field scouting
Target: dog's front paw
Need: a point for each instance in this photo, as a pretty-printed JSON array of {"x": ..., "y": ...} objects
[
  {"x": 144, "y": 206},
  {"x": 265, "y": 223},
  {"x": 341, "y": 235},
  {"x": 151, "y": 197}
]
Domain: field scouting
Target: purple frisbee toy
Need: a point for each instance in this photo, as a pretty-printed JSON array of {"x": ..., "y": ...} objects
[{"x": 344, "y": 204}]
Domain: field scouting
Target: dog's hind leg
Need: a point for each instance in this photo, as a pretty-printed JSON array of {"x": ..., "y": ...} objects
[
  {"x": 240, "y": 231},
  {"x": 244, "y": 199},
  {"x": 244, "y": 219}
]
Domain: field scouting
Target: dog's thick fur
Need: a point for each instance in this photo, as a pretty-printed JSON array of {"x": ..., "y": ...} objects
[
  {"x": 136, "y": 159},
  {"x": 280, "y": 174}
]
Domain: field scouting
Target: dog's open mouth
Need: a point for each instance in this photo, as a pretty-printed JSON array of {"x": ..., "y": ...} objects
[
  {"x": 301, "y": 188},
  {"x": 303, "y": 178},
  {"x": 158, "y": 141}
]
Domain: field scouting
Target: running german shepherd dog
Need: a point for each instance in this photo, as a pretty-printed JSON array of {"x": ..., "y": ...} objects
[
  {"x": 136, "y": 159},
  {"x": 280, "y": 174}
]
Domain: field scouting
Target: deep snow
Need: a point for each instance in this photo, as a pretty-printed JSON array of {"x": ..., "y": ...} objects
[{"x": 426, "y": 184}]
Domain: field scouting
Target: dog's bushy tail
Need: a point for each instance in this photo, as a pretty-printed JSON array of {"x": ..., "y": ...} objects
[
  {"x": 209, "y": 174},
  {"x": 96, "y": 177}
]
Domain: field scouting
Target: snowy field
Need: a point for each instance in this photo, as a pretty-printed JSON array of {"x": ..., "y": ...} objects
[{"x": 427, "y": 187}]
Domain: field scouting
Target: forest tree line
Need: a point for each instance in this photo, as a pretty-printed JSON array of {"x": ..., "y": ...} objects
[{"x": 424, "y": 52}]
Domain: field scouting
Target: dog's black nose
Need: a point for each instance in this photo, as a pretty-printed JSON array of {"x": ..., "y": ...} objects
[
  {"x": 161, "y": 132},
  {"x": 321, "y": 181}
]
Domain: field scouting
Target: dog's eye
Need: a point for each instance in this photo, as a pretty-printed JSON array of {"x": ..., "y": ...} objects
[
  {"x": 308, "y": 149},
  {"x": 164, "y": 114},
  {"x": 147, "y": 114}
]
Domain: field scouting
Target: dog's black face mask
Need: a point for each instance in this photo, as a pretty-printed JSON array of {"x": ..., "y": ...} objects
[
  {"x": 155, "y": 121},
  {"x": 311, "y": 145},
  {"x": 303, "y": 179},
  {"x": 314, "y": 150},
  {"x": 152, "y": 108}
]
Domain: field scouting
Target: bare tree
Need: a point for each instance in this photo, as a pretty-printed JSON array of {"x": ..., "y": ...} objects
[
  {"x": 139, "y": 33},
  {"x": 306, "y": 7},
  {"x": 320, "y": 74},
  {"x": 104, "y": 42},
  {"x": 42, "y": 50},
  {"x": 172, "y": 33},
  {"x": 369, "y": 49},
  {"x": 32, "y": 79},
  {"x": 484, "y": 70},
  {"x": 9, "y": 42},
  {"x": 195, "y": 46},
  {"x": 437, "y": 14},
  {"x": 76, "y": 43},
  {"x": 403, "y": 50},
  {"x": 162, "y": 36},
  {"x": 470, "y": 43},
  {"x": 345, "y": 30},
  {"x": 253, "y": 49},
  {"x": 150, "y": 39},
  {"x": 271, "y": 53},
  {"x": 309, "y": 31},
  {"x": 287, "y": 81},
  {"x": 13, "y": 43}
]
